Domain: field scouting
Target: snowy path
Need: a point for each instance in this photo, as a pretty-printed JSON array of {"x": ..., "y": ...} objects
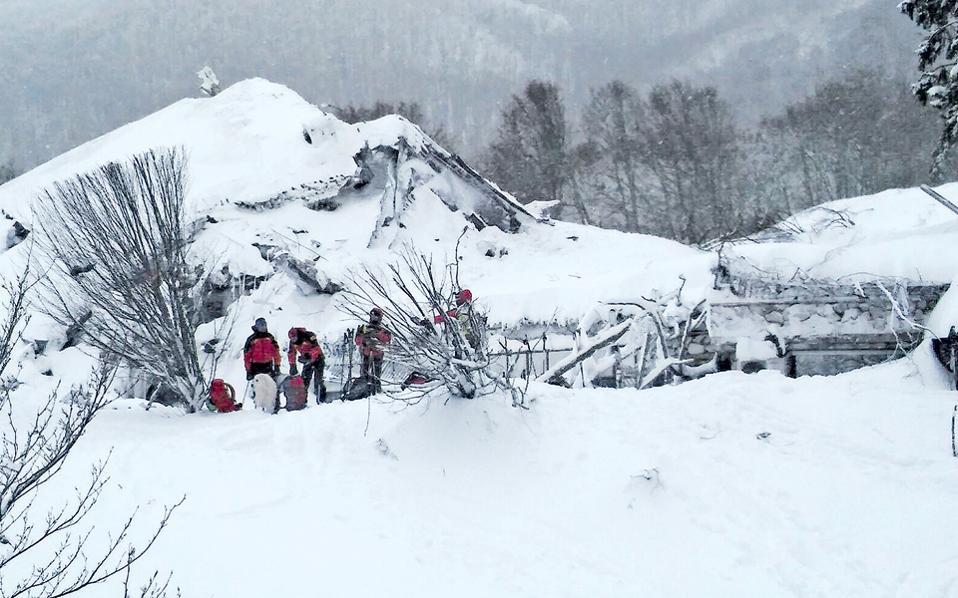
[{"x": 851, "y": 494}]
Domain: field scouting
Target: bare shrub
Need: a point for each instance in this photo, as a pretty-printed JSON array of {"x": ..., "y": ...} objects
[
  {"x": 115, "y": 243},
  {"x": 444, "y": 343},
  {"x": 53, "y": 555}
]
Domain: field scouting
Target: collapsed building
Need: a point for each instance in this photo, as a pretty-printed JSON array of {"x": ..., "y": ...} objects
[{"x": 758, "y": 321}]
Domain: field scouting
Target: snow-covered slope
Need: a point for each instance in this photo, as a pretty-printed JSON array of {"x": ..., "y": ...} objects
[
  {"x": 670, "y": 492},
  {"x": 248, "y": 147},
  {"x": 900, "y": 233},
  {"x": 732, "y": 485}
]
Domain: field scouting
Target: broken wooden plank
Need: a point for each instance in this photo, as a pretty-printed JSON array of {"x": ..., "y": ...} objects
[
  {"x": 940, "y": 198},
  {"x": 554, "y": 376}
]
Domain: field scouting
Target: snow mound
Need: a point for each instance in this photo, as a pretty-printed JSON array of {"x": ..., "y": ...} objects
[
  {"x": 286, "y": 195},
  {"x": 755, "y": 483},
  {"x": 900, "y": 233}
]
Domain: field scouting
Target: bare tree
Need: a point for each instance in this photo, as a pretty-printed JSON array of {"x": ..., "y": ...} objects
[
  {"x": 612, "y": 123},
  {"x": 52, "y": 555},
  {"x": 443, "y": 342},
  {"x": 855, "y": 135},
  {"x": 688, "y": 140},
  {"x": 530, "y": 156},
  {"x": 8, "y": 172},
  {"x": 114, "y": 241}
]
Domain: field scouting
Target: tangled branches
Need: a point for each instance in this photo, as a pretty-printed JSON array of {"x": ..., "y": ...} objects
[
  {"x": 115, "y": 244},
  {"x": 439, "y": 343}
]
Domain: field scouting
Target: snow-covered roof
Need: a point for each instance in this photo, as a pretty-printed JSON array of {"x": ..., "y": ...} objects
[
  {"x": 248, "y": 146},
  {"x": 900, "y": 233}
]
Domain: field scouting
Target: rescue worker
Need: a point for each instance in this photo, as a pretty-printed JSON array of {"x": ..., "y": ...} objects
[
  {"x": 311, "y": 355},
  {"x": 261, "y": 352},
  {"x": 372, "y": 339},
  {"x": 462, "y": 314}
]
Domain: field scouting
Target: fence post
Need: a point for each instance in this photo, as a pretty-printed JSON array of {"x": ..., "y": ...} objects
[{"x": 545, "y": 347}]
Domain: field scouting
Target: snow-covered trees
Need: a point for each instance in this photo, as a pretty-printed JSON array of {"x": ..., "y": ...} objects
[
  {"x": 54, "y": 553},
  {"x": 531, "y": 154},
  {"x": 116, "y": 246},
  {"x": 7, "y": 172},
  {"x": 938, "y": 84},
  {"x": 674, "y": 162},
  {"x": 209, "y": 83},
  {"x": 853, "y": 136}
]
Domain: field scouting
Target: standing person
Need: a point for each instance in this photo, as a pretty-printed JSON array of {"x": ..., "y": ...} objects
[
  {"x": 311, "y": 355},
  {"x": 261, "y": 352},
  {"x": 462, "y": 313},
  {"x": 372, "y": 339}
]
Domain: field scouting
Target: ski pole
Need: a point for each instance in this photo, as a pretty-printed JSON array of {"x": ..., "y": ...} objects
[
  {"x": 954, "y": 449},
  {"x": 246, "y": 392}
]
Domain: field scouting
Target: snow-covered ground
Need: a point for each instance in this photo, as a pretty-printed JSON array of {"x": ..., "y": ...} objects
[
  {"x": 900, "y": 233},
  {"x": 850, "y": 494},
  {"x": 732, "y": 485}
]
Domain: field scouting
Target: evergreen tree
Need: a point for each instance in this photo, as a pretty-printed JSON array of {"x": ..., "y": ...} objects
[{"x": 938, "y": 60}]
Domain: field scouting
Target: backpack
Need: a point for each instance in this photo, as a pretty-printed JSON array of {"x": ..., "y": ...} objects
[
  {"x": 222, "y": 396},
  {"x": 295, "y": 392}
]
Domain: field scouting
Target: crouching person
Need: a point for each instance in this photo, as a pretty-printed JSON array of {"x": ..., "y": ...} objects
[
  {"x": 222, "y": 397},
  {"x": 306, "y": 345}
]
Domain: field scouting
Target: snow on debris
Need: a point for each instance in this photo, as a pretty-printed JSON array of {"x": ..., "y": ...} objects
[{"x": 901, "y": 233}]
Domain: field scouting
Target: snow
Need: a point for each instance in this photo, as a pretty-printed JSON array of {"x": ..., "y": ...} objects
[
  {"x": 730, "y": 485},
  {"x": 246, "y": 145},
  {"x": 850, "y": 494},
  {"x": 900, "y": 233}
]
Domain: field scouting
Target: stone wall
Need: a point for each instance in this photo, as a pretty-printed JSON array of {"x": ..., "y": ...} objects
[
  {"x": 824, "y": 328},
  {"x": 809, "y": 310}
]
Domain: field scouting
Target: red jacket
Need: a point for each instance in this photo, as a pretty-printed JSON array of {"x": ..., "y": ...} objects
[
  {"x": 306, "y": 345},
  {"x": 371, "y": 339},
  {"x": 261, "y": 347},
  {"x": 452, "y": 314}
]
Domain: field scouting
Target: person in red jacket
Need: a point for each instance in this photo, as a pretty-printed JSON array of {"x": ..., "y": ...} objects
[
  {"x": 462, "y": 310},
  {"x": 372, "y": 338},
  {"x": 261, "y": 352},
  {"x": 311, "y": 355}
]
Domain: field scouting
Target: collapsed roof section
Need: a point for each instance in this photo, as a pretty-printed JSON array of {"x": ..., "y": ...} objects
[{"x": 407, "y": 165}]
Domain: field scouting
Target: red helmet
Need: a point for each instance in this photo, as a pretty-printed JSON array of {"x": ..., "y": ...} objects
[
  {"x": 375, "y": 315},
  {"x": 463, "y": 296},
  {"x": 292, "y": 333}
]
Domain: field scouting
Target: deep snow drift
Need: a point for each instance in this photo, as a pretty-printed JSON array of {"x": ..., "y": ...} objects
[{"x": 731, "y": 486}]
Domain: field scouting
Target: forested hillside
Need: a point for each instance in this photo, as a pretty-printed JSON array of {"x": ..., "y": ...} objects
[{"x": 71, "y": 72}]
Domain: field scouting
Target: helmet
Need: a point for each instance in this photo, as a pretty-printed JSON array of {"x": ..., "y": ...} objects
[
  {"x": 292, "y": 333},
  {"x": 260, "y": 325},
  {"x": 464, "y": 296},
  {"x": 375, "y": 315}
]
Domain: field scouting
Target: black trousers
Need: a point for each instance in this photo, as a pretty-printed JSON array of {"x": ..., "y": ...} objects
[
  {"x": 313, "y": 372},
  {"x": 260, "y": 368},
  {"x": 372, "y": 372}
]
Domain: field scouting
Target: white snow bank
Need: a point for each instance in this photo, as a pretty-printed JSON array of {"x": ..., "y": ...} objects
[
  {"x": 901, "y": 233},
  {"x": 731, "y": 486}
]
